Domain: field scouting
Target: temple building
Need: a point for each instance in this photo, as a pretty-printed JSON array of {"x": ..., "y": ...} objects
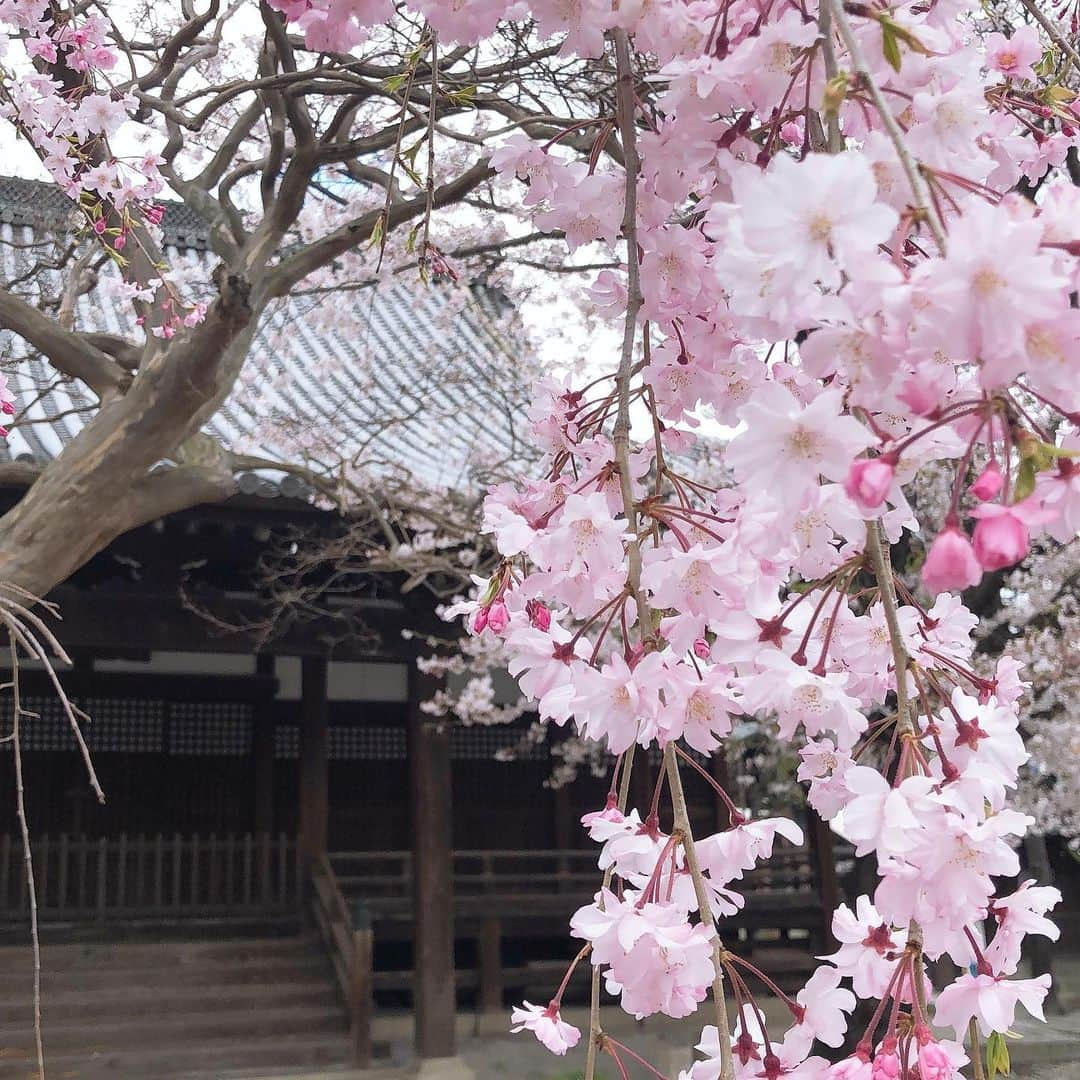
[{"x": 289, "y": 844}]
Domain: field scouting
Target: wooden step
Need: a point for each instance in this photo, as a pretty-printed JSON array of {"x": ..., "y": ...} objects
[
  {"x": 195, "y": 1028},
  {"x": 79, "y": 1004},
  {"x": 213, "y": 1057},
  {"x": 143, "y": 1011},
  {"x": 129, "y": 956}
]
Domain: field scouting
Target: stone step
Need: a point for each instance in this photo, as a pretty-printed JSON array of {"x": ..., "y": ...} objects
[
  {"x": 215, "y": 1057},
  {"x": 182, "y": 1029},
  {"x": 69, "y": 1006}
]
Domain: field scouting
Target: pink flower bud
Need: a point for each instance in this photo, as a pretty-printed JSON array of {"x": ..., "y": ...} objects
[
  {"x": 498, "y": 617},
  {"x": 920, "y": 395},
  {"x": 8, "y": 407},
  {"x": 1001, "y": 541},
  {"x": 100, "y": 226},
  {"x": 988, "y": 484},
  {"x": 934, "y": 1063},
  {"x": 539, "y": 616},
  {"x": 701, "y": 649},
  {"x": 950, "y": 562},
  {"x": 886, "y": 1067},
  {"x": 119, "y": 242},
  {"x": 869, "y": 479},
  {"x": 480, "y": 620},
  {"x": 791, "y": 134}
]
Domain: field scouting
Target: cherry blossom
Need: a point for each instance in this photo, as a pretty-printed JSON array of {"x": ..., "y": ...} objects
[{"x": 547, "y": 1025}]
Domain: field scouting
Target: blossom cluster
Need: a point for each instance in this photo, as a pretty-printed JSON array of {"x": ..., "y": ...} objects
[
  {"x": 830, "y": 250},
  {"x": 60, "y": 99}
]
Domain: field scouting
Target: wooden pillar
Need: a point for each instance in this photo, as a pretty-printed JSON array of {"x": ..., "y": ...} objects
[
  {"x": 563, "y": 814},
  {"x": 821, "y": 847},
  {"x": 1039, "y": 948},
  {"x": 262, "y": 754},
  {"x": 435, "y": 1006},
  {"x": 719, "y": 770},
  {"x": 314, "y": 809},
  {"x": 360, "y": 1003}
]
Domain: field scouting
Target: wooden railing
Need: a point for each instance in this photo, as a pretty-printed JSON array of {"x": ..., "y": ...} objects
[
  {"x": 348, "y": 939},
  {"x": 80, "y": 878},
  {"x": 380, "y": 876}
]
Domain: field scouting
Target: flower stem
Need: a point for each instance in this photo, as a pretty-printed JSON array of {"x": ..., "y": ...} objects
[{"x": 701, "y": 891}]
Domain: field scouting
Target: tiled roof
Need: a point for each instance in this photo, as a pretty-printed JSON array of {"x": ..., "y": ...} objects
[
  {"x": 410, "y": 380},
  {"x": 41, "y": 205}
]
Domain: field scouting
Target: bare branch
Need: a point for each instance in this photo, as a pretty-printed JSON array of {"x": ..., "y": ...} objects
[{"x": 67, "y": 352}]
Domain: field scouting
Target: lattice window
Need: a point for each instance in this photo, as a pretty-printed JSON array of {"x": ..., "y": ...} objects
[
  {"x": 484, "y": 743},
  {"x": 125, "y": 725},
  {"x": 376, "y": 743},
  {"x": 210, "y": 729},
  {"x": 49, "y": 729},
  {"x": 286, "y": 741}
]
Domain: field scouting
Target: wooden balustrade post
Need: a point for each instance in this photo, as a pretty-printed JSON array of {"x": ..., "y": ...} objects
[
  {"x": 361, "y": 979},
  {"x": 489, "y": 948}
]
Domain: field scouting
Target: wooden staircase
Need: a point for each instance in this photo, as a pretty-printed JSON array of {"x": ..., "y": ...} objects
[{"x": 156, "y": 1011}]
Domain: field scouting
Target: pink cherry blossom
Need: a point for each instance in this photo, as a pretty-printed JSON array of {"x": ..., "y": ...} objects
[
  {"x": 1013, "y": 56},
  {"x": 991, "y": 1000},
  {"x": 547, "y": 1025}
]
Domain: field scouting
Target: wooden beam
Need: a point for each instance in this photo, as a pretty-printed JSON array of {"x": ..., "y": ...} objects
[
  {"x": 314, "y": 739},
  {"x": 432, "y": 878},
  {"x": 148, "y": 620}
]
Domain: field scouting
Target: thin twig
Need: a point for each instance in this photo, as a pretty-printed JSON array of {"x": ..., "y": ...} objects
[
  {"x": 835, "y": 140},
  {"x": 701, "y": 892},
  {"x": 1055, "y": 31},
  {"x": 976, "y": 1053},
  {"x": 28, "y": 859},
  {"x": 429, "y": 184},
  {"x": 621, "y": 435},
  {"x": 924, "y": 205},
  {"x": 595, "y": 1031},
  {"x": 905, "y": 722}
]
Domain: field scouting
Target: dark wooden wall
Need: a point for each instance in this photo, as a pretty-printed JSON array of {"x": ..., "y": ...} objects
[{"x": 177, "y": 755}]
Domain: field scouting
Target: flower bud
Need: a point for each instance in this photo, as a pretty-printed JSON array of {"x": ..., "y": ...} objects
[
  {"x": 950, "y": 563},
  {"x": 988, "y": 484},
  {"x": 701, "y": 649},
  {"x": 934, "y": 1063},
  {"x": 886, "y": 1066},
  {"x": 869, "y": 479},
  {"x": 539, "y": 615},
  {"x": 498, "y": 618},
  {"x": 1000, "y": 541}
]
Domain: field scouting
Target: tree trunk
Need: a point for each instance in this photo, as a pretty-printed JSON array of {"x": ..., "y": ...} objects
[{"x": 101, "y": 486}]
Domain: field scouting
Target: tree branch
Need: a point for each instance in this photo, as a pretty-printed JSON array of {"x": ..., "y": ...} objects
[
  {"x": 296, "y": 267},
  {"x": 68, "y": 352}
]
